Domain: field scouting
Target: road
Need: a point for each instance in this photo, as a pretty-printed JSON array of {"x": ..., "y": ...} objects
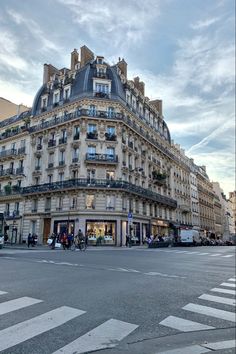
[{"x": 117, "y": 300}]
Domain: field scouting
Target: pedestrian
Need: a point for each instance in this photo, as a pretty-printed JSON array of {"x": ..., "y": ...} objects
[
  {"x": 127, "y": 240},
  {"x": 54, "y": 238},
  {"x": 29, "y": 239}
]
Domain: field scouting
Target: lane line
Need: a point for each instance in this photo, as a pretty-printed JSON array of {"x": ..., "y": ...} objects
[
  {"x": 219, "y": 299},
  {"x": 184, "y": 325},
  {"x": 230, "y": 285},
  {"x": 107, "y": 335},
  {"x": 17, "y": 304},
  {"x": 3, "y": 292},
  {"x": 40, "y": 324},
  {"x": 226, "y": 344},
  {"x": 229, "y": 255},
  {"x": 225, "y": 291},
  {"x": 195, "y": 252},
  {"x": 232, "y": 279},
  {"x": 211, "y": 311},
  {"x": 203, "y": 254},
  {"x": 193, "y": 349},
  {"x": 216, "y": 254}
]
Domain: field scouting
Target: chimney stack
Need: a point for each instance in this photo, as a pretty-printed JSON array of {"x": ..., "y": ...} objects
[
  {"x": 86, "y": 55},
  {"x": 158, "y": 105},
  {"x": 48, "y": 70},
  {"x": 122, "y": 65},
  {"x": 74, "y": 59},
  {"x": 139, "y": 85}
]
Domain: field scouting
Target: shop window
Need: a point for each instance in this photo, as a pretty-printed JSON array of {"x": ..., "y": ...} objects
[
  {"x": 90, "y": 201},
  {"x": 101, "y": 232}
]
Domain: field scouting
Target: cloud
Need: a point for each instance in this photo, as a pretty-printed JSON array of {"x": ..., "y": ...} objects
[
  {"x": 9, "y": 56},
  {"x": 35, "y": 30},
  {"x": 204, "y": 23},
  {"x": 118, "y": 23}
]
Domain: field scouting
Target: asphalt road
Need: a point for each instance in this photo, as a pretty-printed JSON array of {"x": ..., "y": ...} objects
[{"x": 114, "y": 300}]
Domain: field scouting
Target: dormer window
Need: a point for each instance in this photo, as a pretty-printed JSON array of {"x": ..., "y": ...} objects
[
  {"x": 44, "y": 102},
  {"x": 56, "y": 97},
  {"x": 66, "y": 93}
]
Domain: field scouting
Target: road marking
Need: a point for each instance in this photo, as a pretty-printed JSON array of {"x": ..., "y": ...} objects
[
  {"x": 17, "y": 304},
  {"x": 193, "y": 349},
  {"x": 40, "y": 324},
  {"x": 164, "y": 275},
  {"x": 193, "y": 252},
  {"x": 181, "y": 251},
  {"x": 226, "y": 344},
  {"x": 230, "y": 285},
  {"x": 107, "y": 335},
  {"x": 203, "y": 254},
  {"x": 225, "y": 291},
  {"x": 184, "y": 325},
  {"x": 211, "y": 311},
  {"x": 231, "y": 279},
  {"x": 229, "y": 255},
  {"x": 3, "y": 292},
  {"x": 216, "y": 254},
  {"x": 221, "y": 300}
]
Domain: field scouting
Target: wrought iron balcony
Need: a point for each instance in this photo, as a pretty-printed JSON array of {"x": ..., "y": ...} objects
[
  {"x": 39, "y": 147},
  {"x": 75, "y": 159},
  {"x": 101, "y": 158},
  {"x": 185, "y": 208},
  {"x": 92, "y": 135},
  {"x": 84, "y": 183},
  {"x": 50, "y": 165},
  {"x": 20, "y": 171},
  {"x": 63, "y": 140},
  {"x": 37, "y": 168},
  {"x": 61, "y": 163},
  {"x": 76, "y": 136},
  {"x": 110, "y": 137},
  {"x": 51, "y": 143}
]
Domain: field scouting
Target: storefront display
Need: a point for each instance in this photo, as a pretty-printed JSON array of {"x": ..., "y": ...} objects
[
  {"x": 101, "y": 232},
  {"x": 64, "y": 226}
]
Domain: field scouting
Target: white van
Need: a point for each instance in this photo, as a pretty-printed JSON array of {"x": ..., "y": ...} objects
[
  {"x": 190, "y": 237},
  {"x": 1, "y": 241}
]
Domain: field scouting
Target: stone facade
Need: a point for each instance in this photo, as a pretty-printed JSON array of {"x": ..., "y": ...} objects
[{"x": 95, "y": 154}]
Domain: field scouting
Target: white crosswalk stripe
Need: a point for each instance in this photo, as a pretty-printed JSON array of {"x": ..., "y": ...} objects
[
  {"x": 184, "y": 325},
  {"x": 211, "y": 311},
  {"x": 224, "y": 291},
  {"x": 17, "y": 304},
  {"x": 40, "y": 324},
  {"x": 219, "y": 299},
  {"x": 232, "y": 279},
  {"x": 216, "y": 254},
  {"x": 228, "y": 256},
  {"x": 107, "y": 335},
  {"x": 3, "y": 292},
  {"x": 230, "y": 285}
]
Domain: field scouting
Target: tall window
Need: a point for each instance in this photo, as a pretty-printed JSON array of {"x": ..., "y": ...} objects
[
  {"x": 61, "y": 176},
  {"x": 50, "y": 178},
  {"x": 56, "y": 97},
  {"x": 90, "y": 201},
  {"x": 92, "y": 128},
  {"x": 48, "y": 204},
  {"x": 110, "y": 202},
  {"x": 104, "y": 88},
  {"x": 90, "y": 175},
  {"x": 61, "y": 156},
  {"x": 110, "y": 112},
  {"x": 91, "y": 151},
  {"x": 111, "y": 152},
  {"x": 34, "y": 205},
  {"x": 92, "y": 110},
  {"x": 110, "y": 175},
  {"x": 75, "y": 153}
]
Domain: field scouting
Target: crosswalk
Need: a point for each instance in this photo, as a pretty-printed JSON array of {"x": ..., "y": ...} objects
[
  {"x": 105, "y": 335},
  {"x": 199, "y": 253},
  {"x": 207, "y": 309}
]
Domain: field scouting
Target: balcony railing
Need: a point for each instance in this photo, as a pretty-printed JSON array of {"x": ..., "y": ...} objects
[
  {"x": 101, "y": 94},
  {"x": 61, "y": 163},
  {"x": 82, "y": 183},
  {"x": 51, "y": 143},
  {"x": 110, "y": 137},
  {"x": 92, "y": 135},
  {"x": 76, "y": 136},
  {"x": 62, "y": 140},
  {"x": 50, "y": 165},
  {"x": 37, "y": 168},
  {"x": 75, "y": 159},
  {"x": 104, "y": 114},
  {"x": 101, "y": 157},
  {"x": 20, "y": 171},
  {"x": 39, "y": 147}
]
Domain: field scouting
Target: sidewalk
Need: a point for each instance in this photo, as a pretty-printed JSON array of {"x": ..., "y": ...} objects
[{"x": 90, "y": 248}]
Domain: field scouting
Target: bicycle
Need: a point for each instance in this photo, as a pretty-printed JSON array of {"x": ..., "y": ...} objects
[{"x": 81, "y": 245}]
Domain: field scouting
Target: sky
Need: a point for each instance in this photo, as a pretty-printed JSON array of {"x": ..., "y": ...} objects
[{"x": 184, "y": 51}]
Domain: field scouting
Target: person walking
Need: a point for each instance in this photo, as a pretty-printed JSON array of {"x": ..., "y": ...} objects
[{"x": 29, "y": 240}]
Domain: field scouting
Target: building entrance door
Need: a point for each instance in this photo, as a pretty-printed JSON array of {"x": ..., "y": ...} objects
[{"x": 46, "y": 229}]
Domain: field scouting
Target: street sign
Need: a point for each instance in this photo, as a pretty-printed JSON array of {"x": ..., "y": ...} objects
[{"x": 130, "y": 218}]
